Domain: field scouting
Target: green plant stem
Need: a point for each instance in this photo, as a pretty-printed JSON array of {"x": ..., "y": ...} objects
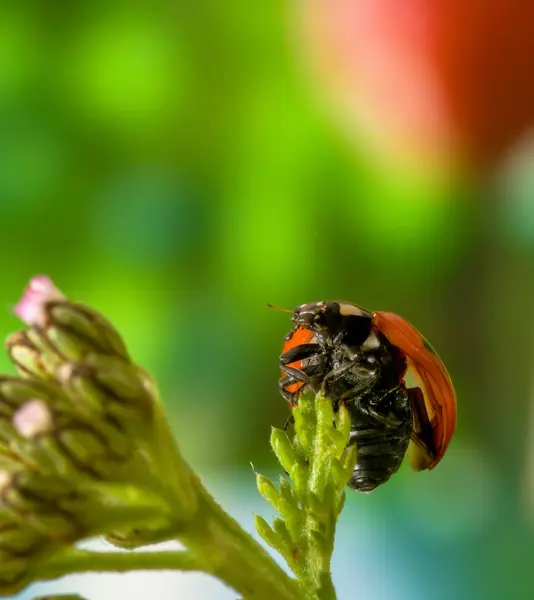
[
  {"x": 61, "y": 597},
  {"x": 83, "y": 561},
  {"x": 318, "y": 572},
  {"x": 233, "y": 556},
  {"x": 319, "y": 556},
  {"x": 180, "y": 486}
]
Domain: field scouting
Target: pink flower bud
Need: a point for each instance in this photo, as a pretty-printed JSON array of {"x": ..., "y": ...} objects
[
  {"x": 32, "y": 419},
  {"x": 40, "y": 291}
]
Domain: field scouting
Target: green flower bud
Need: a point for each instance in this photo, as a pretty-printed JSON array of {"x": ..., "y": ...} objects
[
  {"x": 26, "y": 356},
  {"x": 40, "y": 424},
  {"x": 22, "y": 544},
  {"x": 61, "y": 331},
  {"x": 109, "y": 385},
  {"x": 78, "y": 327},
  {"x": 65, "y": 329},
  {"x": 33, "y": 499},
  {"x": 16, "y": 392}
]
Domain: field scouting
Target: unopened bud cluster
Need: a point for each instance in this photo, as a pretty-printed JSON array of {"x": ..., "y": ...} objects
[{"x": 80, "y": 419}]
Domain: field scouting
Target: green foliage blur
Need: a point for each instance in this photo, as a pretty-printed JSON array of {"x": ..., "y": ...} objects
[{"x": 170, "y": 164}]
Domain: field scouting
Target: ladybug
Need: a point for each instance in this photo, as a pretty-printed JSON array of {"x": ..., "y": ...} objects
[{"x": 361, "y": 358}]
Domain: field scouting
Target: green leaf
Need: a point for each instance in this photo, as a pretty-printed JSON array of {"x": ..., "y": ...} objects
[
  {"x": 284, "y": 450},
  {"x": 305, "y": 423},
  {"x": 300, "y": 474},
  {"x": 343, "y": 423},
  {"x": 325, "y": 414},
  {"x": 348, "y": 461},
  {"x": 269, "y": 536},
  {"x": 286, "y": 491},
  {"x": 288, "y": 506},
  {"x": 268, "y": 491},
  {"x": 280, "y": 528},
  {"x": 340, "y": 503}
]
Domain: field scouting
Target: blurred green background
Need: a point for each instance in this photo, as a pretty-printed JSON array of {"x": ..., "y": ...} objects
[{"x": 174, "y": 164}]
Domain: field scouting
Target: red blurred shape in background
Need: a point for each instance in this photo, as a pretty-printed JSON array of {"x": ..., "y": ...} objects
[{"x": 443, "y": 80}]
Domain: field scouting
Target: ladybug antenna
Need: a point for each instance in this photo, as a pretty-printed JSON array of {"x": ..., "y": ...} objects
[{"x": 279, "y": 308}]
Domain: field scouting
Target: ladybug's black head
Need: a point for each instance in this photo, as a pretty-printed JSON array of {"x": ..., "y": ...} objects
[{"x": 342, "y": 321}]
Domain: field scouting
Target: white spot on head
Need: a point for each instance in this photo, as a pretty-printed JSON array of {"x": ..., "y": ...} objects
[
  {"x": 371, "y": 343},
  {"x": 309, "y": 308},
  {"x": 347, "y": 308}
]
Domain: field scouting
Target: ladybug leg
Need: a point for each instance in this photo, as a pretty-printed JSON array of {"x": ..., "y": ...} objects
[
  {"x": 300, "y": 353},
  {"x": 282, "y": 384},
  {"x": 296, "y": 374},
  {"x": 338, "y": 371},
  {"x": 292, "y": 377},
  {"x": 367, "y": 377},
  {"x": 290, "y": 421},
  {"x": 305, "y": 376}
]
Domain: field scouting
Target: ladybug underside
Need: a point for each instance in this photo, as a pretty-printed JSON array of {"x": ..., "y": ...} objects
[
  {"x": 366, "y": 376},
  {"x": 381, "y": 413}
]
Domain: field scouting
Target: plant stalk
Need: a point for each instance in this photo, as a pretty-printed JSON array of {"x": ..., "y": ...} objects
[{"x": 233, "y": 556}]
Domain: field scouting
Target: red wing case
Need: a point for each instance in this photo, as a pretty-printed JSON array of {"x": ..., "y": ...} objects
[
  {"x": 434, "y": 408},
  {"x": 297, "y": 337}
]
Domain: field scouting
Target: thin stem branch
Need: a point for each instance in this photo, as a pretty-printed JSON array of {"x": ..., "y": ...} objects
[{"x": 83, "y": 561}]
